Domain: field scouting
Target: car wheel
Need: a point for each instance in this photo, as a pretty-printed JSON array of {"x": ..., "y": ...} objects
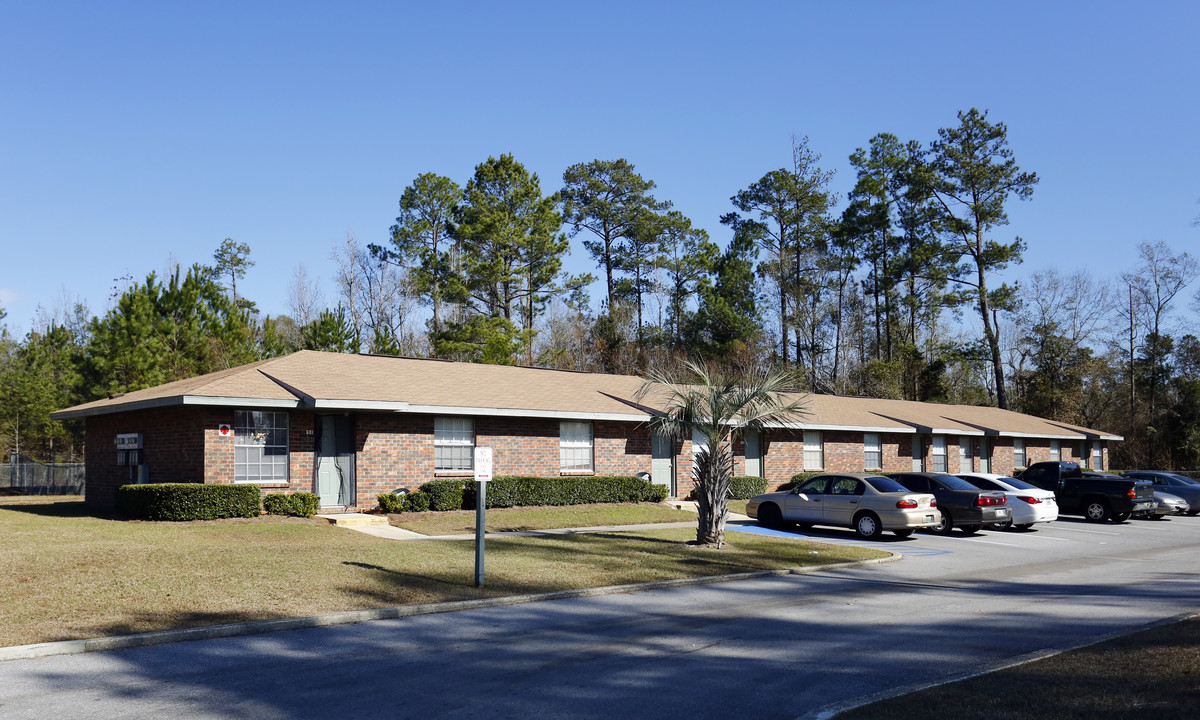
[
  {"x": 944, "y": 526},
  {"x": 769, "y": 516},
  {"x": 1122, "y": 517},
  {"x": 1022, "y": 527},
  {"x": 1096, "y": 511},
  {"x": 1194, "y": 512},
  {"x": 969, "y": 529},
  {"x": 903, "y": 533},
  {"x": 867, "y": 526}
]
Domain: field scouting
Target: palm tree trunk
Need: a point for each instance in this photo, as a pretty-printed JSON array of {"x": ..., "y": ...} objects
[{"x": 712, "y": 474}]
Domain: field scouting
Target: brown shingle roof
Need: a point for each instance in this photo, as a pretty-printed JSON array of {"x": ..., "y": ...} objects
[{"x": 376, "y": 382}]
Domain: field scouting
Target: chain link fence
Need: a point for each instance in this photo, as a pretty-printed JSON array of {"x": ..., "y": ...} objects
[{"x": 30, "y": 477}]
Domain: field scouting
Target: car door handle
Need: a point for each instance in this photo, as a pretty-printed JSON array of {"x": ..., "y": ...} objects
[{"x": 853, "y": 502}]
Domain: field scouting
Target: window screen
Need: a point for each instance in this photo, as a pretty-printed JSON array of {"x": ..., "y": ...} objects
[
  {"x": 872, "y": 451},
  {"x": 453, "y": 444},
  {"x": 814, "y": 451},
  {"x": 575, "y": 446},
  {"x": 260, "y": 446}
]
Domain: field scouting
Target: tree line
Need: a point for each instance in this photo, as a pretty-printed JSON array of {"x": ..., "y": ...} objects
[{"x": 898, "y": 295}]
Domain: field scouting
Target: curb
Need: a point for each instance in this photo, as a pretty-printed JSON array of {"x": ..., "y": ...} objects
[
  {"x": 258, "y": 627},
  {"x": 832, "y": 711}
]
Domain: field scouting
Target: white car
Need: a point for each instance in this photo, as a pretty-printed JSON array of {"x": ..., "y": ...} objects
[{"x": 1029, "y": 504}]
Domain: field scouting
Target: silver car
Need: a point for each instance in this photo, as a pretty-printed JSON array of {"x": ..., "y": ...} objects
[
  {"x": 869, "y": 504},
  {"x": 1174, "y": 484},
  {"x": 1165, "y": 503}
]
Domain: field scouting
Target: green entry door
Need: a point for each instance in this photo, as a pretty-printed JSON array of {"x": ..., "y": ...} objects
[
  {"x": 335, "y": 460},
  {"x": 662, "y": 463}
]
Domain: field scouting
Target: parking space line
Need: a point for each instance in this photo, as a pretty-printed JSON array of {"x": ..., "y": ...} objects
[
  {"x": 1090, "y": 532},
  {"x": 990, "y": 542}
]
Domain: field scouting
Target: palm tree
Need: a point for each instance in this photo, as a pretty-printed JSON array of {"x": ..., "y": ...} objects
[{"x": 719, "y": 406}]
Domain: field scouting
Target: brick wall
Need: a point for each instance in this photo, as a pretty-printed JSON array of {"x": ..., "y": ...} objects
[
  {"x": 395, "y": 451},
  {"x": 173, "y": 451}
]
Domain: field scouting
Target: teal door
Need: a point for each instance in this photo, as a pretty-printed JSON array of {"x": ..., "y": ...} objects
[
  {"x": 662, "y": 462},
  {"x": 335, "y": 461}
]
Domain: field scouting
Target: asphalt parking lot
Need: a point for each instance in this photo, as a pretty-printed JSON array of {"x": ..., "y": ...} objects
[{"x": 785, "y": 647}]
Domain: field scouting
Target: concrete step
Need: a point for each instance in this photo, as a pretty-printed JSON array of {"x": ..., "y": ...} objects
[{"x": 354, "y": 519}]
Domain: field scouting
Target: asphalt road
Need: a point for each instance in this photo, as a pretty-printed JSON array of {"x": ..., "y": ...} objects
[{"x": 772, "y": 648}]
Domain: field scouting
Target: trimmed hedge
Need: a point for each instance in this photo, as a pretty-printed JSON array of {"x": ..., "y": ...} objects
[
  {"x": 301, "y": 504},
  {"x": 403, "y": 502},
  {"x": 445, "y": 494},
  {"x": 188, "y": 501},
  {"x": 744, "y": 487},
  {"x": 523, "y": 490},
  {"x": 391, "y": 502}
]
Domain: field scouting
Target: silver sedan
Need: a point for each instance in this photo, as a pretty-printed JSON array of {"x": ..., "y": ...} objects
[{"x": 869, "y": 504}]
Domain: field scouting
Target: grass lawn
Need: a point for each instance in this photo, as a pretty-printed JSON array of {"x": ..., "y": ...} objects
[
  {"x": 540, "y": 518},
  {"x": 1150, "y": 674},
  {"x": 65, "y": 574}
]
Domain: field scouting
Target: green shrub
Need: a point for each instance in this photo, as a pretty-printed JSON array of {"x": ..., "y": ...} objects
[
  {"x": 392, "y": 502},
  {"x": 445, "y": 494},
  {"x": 524, "y": 490},
  {"x": 744, "y": 487},
  {"x": 417, "y": 502},
  {"x": 797, "y": 479},
  {"x": 403, "y": 502},
  {"x": 655, "y": 493},
  {"x": 188, "y": 501},
  {"x": 301, "y": 504}
]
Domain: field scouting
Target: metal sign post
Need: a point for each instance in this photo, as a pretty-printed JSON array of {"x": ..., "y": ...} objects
[{"x": 483, "y": 474}]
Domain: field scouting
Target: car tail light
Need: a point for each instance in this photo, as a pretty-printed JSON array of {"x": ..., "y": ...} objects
[
  {"x": 933, "y": 502},
  {"x": 1131, "y": 493},
  {"x": 906, "y": 503},
  {"x": 984, "y": 500},
  {"x": 1030, "y": 500}
]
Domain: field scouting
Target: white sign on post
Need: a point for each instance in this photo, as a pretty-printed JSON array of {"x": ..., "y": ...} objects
[{"x": 483, "y": 464}]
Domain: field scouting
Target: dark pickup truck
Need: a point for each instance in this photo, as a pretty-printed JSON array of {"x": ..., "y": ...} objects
[{"x": 1097, "y": 499}]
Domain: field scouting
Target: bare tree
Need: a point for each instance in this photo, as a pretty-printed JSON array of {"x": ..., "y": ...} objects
[{"x": 304, "y": 297}]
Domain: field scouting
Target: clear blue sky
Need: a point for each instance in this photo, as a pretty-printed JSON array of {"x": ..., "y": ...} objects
[{"x": 133, "y": 132}]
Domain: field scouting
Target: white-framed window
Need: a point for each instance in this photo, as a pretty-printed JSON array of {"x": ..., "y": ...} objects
[
  {"x": 575, "y": 446},
  {"x": 453, "y": 444},
  {"x": 814, "y": 450},
  {"x": 966, "y": 454},
  {"x": 1019, "y": 453},
  {"x": 937, "y": 454},
  {"x": 1055, "y": 450},
  {"x": 1097, "y": 456},
  {"x": 872, "y": 451},
  {"x": 260, "y": 446}
]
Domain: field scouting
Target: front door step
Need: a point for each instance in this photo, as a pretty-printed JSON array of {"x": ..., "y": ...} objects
[{"x": 353, "y": 519}]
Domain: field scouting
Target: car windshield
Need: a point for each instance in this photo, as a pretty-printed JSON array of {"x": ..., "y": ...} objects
[
  {"x": 955, "y": 483},
  {"x": 883, "y": 484},
  {"x": 982, "y": 483}
]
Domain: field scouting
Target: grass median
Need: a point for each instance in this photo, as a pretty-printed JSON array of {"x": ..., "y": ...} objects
[
  {"x": 66, "y": 574},
  {"x": 1154, "y": 673}
]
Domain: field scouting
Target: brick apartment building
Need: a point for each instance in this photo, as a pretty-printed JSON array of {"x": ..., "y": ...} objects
[{"x": 349, "y": 427}]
